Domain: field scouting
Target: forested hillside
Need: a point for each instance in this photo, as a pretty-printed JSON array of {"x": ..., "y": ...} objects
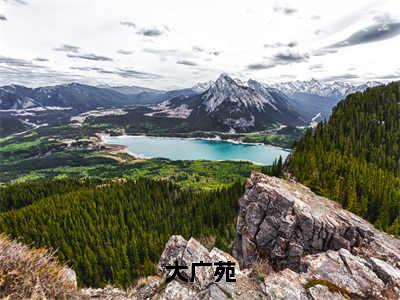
[
  {"x": 114, "y": 232},
  {"x": 20, "y": 195},
  {"x": 354, "y": 158}
]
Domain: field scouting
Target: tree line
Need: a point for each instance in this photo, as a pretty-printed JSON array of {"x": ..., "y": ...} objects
[
  {"x": 354, "y": 158},
  {"x": 114, "y": 232}
]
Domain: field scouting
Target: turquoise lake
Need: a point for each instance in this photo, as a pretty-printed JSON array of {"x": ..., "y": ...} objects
[{"x": 195, "y": 149}]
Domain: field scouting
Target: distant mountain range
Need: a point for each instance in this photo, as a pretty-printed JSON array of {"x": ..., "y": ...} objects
[
  {"x": 82, "y": 97},
  {"x": 334, "y": 90},
  {"x": 226, "y": 104},
  {"x": 317, "y": 98},
  {"x": 76, "y": 96},
  {"x": 231, "y": 104}
]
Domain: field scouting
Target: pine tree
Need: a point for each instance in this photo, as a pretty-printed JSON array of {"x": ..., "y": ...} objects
[
  {"x": 115, "y": 232},
  {"x": 354, "y": 157}
]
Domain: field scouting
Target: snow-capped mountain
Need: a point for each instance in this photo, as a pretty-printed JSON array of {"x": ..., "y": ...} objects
[
  {"x": 78, "y": 96},
  {"x": 16, "y": 97},
  {"x": 227, "y": 90},
  {"x": 230, "y": 105},
  {"x": 202, "y": 86},
  {"x": 82, "y": 97},
  {"x": 318, "y": 98},
  {"x": 225, "y": 104},
  {"x": 336, "y": 90}
]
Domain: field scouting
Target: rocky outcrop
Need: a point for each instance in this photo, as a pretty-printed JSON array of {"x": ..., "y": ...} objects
[
  {"x": 311, "y": 240},
  {"x": 316, "y": 250},
  {"x": 328, "y": 275},
  {"x": 283, "y": 221}
]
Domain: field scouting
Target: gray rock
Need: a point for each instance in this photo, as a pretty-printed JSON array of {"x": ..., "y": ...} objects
[
  {"x": 293, "y": 220},
  {"x": 343, "y": 250},
  {"x": 266, "y": 232},
  {"x": 197, "y": 253},
  {"x": 204, "y": 286},
  {"x": 214, "y": 292},
  {"x": 148, "y": 287},
  {"x": 385, "y": 271},
  {"x": 256, "y": 215},
  {"x": 177, "y": 291},
  {"x": 346, "y": 271},
  {"x": 173, "y": 250},
  {"x": 285, "y": 285}
]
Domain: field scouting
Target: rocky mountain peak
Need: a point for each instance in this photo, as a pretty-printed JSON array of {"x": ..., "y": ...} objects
[
  {"x": 225, "y": 84},
  {"x": 224, "y": 79},
  {"x": 227, "y": 89},
  {"x": 231, "y": 105}
]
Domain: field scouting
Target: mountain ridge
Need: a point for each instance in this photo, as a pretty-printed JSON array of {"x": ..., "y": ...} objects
[
  {"x": 336, "y": 90},
  {"x": 74, "y": 95},
  {"x": 230, "y": 105},
  {"x": 226, "y": 104}
]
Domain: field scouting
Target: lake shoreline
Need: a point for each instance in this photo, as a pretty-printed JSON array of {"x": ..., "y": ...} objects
[
  {"x": 215, "y": 138},
  {"x": 268, "y": 137},
  {"x": 124, "y": 148}
]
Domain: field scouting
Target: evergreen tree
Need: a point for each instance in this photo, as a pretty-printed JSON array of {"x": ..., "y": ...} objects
[
  {"x": 354, "y": 158},
  {"x": 113, "y": 232}
]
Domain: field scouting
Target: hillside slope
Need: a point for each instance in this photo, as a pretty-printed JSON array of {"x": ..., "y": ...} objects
[
  {"x": 115, "y": 231},
  {"x": 354, "y": 158},
  {"x": 289, "y": 244}
]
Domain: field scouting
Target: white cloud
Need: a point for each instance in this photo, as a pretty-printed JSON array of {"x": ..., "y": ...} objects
[{"x": 207, "y": 37}]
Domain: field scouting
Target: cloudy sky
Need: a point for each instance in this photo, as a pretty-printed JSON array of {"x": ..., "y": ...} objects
[{"x": 175, "y": 43}]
